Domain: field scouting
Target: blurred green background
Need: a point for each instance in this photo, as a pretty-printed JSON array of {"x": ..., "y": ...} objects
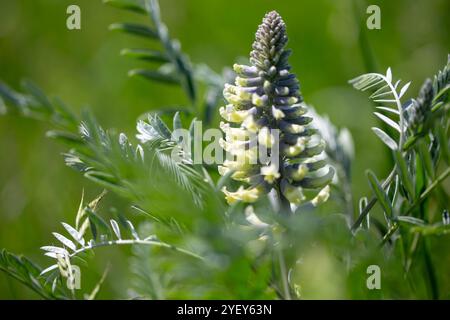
[{"x": 83, "y": 67}]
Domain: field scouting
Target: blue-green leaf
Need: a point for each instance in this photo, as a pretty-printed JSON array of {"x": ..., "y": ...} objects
[{"x": 385, "y": 138}]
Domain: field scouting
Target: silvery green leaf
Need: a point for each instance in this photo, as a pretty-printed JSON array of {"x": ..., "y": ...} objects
[
  {"x": 391, "y": 110},
  {"x": 139, "y": 152},
  {"x": 115, "y": 228},
  {"x": 51, "y": 255},
  {"x": 403, "y": 90},
  {"x": 387, "y": 140},
  {"x": 381, "y": 92},
  {"x": 159, "y": 125},
  {"x": 396, "y": 84},
  {"x": 411, "y": 220},
  {"x": 81, "y": 212},
  {"x": 54, "y": 284},
  {"x": 146, "y": 132},
  {"x": 53, "y": 267},
  {"x": 74, "y": 233},
  {"x": 68, "y": 243},
  {"x": 389, "y": 74},
  {"x": 388, "y": 121},
  {"x": 133, "y": 230},
  {"x": 56, "y": 250},
  {"x": 151, "y": 238},
  {"x": 384, "y": 100},
  {"x": 177, "y": 121}
]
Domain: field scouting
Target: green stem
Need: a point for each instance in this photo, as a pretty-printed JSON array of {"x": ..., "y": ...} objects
[
  {"x": 364, "y": 45},
  {"x": 283, "y": 272},
  {"x": 285, "y": 209},
  {"x": 422, "y": 197},
  {"x": 430, "y": 271},
  {"x": 388, "y": 235},
  {"x": 430, "y": 188},
  {"x": 133, "y": 242},
  {"x": 372, "y": 201}
]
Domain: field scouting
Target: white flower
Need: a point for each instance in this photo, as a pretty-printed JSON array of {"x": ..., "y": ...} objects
[
  {"x": 241, "y": 194},
  {"x": 270, "y": 173},
  {"x": 296, "y": 128},
  {"x": 293, "y": 194},
  {"x": 253, "y": 219},
  {"x": 230, "y": 114},
  {"x": 250, "y": 124},
  {"x": 300, "y": 173},
  {"x": 277, "y": 113},
  {"x": 265, "y": 138},
  {"x": 322, "y": 196},
  {"x": 233, "y": 133}
]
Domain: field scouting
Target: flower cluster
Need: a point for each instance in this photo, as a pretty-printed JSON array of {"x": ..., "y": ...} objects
[
  {"x": 420, "y": 109},
  {"x": 265, "y": 111}
]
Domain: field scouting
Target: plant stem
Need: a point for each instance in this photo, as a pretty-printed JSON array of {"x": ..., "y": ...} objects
[
  {"x": 430, "y": 188},
  {"x": 285, "y": 210},
  {"x": 388, "y": 235},
  {"x": 364, "y": 45},
  {"x": 431, "y": 272},
  {"x": 283, "y": 272},
  {"x": 372, "y": 201},
  {"x": 422, "y": 197},
  {"x": 133, "y": 242}
]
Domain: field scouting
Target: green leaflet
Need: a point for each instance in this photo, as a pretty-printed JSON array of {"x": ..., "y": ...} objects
[
  {"x": 380, "y": 194},
  {"x": 134, "y": 29},
  {"x": 387, "y": 140},
  {"x": 405, "y": 177},
  {"x": 131, "y": 5}
]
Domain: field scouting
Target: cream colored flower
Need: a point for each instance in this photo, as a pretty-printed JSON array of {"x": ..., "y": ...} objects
[
  {"x": 293, "y": 194},
  {"x": 233, "y": 133},
  {"x": 296, "y": 128},
  {"x": 253, "y": 219},
  {"x": 270, "y": 173},
  {"x": 300, "y": 173},
  {"x": 250, "y": 124},
  {"x": 277, "y": 113},
  {"x": 230, "y": 114},
  {"x": 265, "y": 137},
  {"x": 322, "y": 196},
  {"x": 241, "y": 194}
]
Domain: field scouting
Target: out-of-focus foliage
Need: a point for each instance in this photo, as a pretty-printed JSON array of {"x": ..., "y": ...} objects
[{"x": 237, "y": 251}]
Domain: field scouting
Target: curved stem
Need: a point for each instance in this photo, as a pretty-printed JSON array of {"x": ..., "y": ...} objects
[
  {"x": 400, "y": 114},
  {"x": 132, "y": 242},
  {"x": 430, "y": 188}
]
